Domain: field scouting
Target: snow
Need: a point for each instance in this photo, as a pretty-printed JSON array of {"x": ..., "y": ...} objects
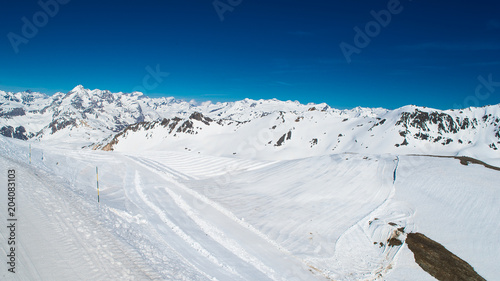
[
  {"x": 179, "y": 215},
  {"x": 267, "y": 190}
]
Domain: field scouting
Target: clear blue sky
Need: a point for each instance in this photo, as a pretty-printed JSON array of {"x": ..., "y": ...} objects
[{"x": 427, "y": 53}]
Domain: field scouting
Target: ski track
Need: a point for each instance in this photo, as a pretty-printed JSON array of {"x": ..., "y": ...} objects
[
  {"x": 245, "y": 242},
  {"x": 178, "y": 231},
  {"x": 59, "y": 232},
  {"x": 234, "y": 247},
  {"x": 161, "y": 219}
]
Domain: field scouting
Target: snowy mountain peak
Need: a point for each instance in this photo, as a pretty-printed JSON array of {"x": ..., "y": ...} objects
[
  {"x": 269, "y": 128},
  {"x": 78, "y": 88}
]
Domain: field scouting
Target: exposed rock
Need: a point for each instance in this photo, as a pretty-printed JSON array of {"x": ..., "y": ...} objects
[
  {"x": 280, "y": 141},
  {"x": 436, "y": 260},
  {"x": 13, "y": 112},
  {"x": 381, "y": 122},
  {"x": 394, "y": 242},
  {"x": 421, "y": 120},
  {"x": 60, "y": 124},
  {"x": 314, "y": 142},
  {"x": 186, "y": 127},
  {"x": 17, "y": 133},
  {"x": 198, "y": 116},
  {"x": 422, "y": 136}
]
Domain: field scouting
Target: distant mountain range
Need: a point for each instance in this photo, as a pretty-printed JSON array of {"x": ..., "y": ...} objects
[{"x": 266, "y": 129}]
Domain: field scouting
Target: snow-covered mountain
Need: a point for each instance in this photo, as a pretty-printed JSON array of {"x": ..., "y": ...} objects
[
  {"x": 256, "y": 128},
  {"x": 247, "y": 190},
  {"x": 81, "y": 115},
  {"x": 292, "y": 134}
]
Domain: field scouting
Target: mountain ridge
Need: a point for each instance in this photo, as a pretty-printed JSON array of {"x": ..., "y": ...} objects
[{"x": 102, "y": 119}]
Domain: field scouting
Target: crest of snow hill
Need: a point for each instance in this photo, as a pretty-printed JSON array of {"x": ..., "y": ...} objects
[{"x": 117, "y": 121}]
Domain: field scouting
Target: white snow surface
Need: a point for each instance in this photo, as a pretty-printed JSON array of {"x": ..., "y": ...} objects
[{"x": 180, "y": 215}]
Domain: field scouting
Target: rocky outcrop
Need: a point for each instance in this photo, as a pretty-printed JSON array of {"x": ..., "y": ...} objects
[
  {"x": 436, "y": 260},
  {"x": 14, "y": 112},
  {"x": 17, "y": 133}
]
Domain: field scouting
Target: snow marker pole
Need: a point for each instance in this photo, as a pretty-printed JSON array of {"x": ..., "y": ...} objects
[
  {"x": 97, "y": 176},
  {"x": 30, "y": 153}
]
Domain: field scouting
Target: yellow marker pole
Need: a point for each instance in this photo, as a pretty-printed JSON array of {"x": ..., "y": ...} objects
[{"x": 97, "y": 175}]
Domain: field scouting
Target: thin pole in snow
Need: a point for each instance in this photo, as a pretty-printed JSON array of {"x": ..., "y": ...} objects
[
  {"x": 30, "y": 153},
  {"x": 97, "y": 176}
]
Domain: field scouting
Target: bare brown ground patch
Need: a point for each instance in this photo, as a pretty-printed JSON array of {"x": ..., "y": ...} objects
[
  {"x": 464, "y": 160},
  {"x": 436, "y": 260}
]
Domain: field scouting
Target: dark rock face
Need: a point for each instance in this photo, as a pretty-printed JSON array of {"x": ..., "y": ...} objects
[
  {"x": 174, "y": 125},
  {"x": 436, "y": 260},
  {"x": 17, "y": 133},
  {"x": 60, "y": 124},
  {"x": 381, "y": 122},
  {"x": 186, "y": 127},
  {"x": 393, "y": 242},
  {"x": 7, "y": 131},
  {"x": 422, "y": 136},
  {"x": 200, "y": 117},
  {"x": 313, "y": 142},
  {"x": 281, "y": 140},
  {"x": 420, "y": 120},
  {"x": 13, "y": 112},
  {"x": 77, "y": 102}
]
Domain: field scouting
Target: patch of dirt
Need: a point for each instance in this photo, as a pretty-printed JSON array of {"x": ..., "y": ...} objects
[
  {"x": 394, "y": 242},
  {"x": 464, "y": 160},
  {"x": 436, "y": 260}
]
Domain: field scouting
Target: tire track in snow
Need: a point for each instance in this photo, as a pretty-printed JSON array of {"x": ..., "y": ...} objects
[
  {"x": 151, "y": 244},
  {"x": 188, "y": 239},
  {"x": 258, "y": 238},
  {"x": 51, "y": 230},
  {"x": 201, "y": 166},
  {"x": 114, "y": 260},
  {"x": 219, "y": 236},
  {"x": 158, "y": 167}
]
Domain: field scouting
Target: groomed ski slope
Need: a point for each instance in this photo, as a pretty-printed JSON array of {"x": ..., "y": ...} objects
[{"x": 184, "y": 216}]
